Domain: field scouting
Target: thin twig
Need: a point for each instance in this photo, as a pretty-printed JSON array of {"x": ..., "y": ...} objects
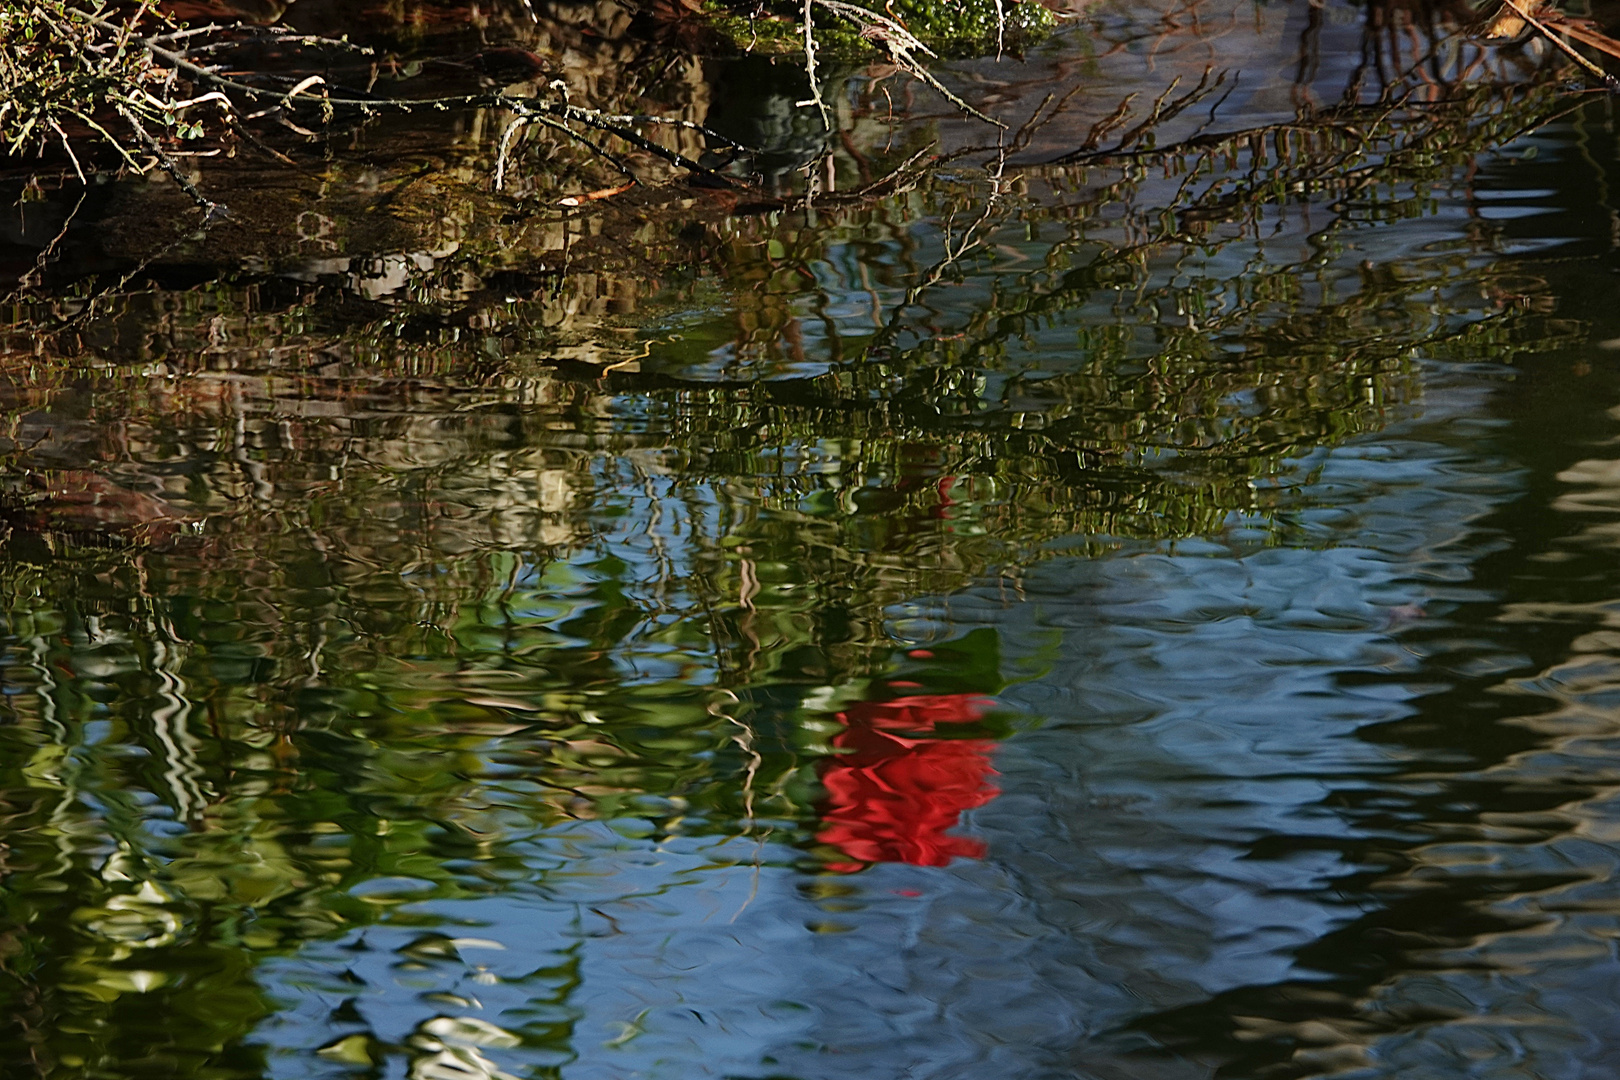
[
  {"x": 1609, "y": 81},
  {"x": 810, "y": 63},
  {"x": 167, "y": 164}
]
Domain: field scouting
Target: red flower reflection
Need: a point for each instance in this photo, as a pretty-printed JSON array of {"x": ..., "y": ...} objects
[{"x": 893, "y": 798}]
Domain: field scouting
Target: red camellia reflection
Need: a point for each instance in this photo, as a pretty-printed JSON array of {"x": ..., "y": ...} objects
[{"x": 892, "y": 798}]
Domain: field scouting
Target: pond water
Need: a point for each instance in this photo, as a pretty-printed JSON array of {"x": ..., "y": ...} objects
[{"x": 1010, "y": 621}]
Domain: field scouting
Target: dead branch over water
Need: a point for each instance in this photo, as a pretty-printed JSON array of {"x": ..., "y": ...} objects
[
  {"x": 95, "y": 80},
  {"x": 82, "y": 80}
]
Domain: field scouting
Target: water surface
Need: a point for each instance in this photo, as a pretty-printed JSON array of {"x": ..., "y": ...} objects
[{"x": 1019, "y": 623}]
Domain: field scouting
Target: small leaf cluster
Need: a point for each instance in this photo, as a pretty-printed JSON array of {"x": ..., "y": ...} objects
[{"x": 71, "y": 75}]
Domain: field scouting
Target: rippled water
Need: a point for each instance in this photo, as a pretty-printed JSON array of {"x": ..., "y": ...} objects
[{"x": 961, "y": 632}]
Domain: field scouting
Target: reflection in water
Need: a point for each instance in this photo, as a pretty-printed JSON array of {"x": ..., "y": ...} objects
[
  {"x": 981, "y": 625},
  {"x": 891, "y": 797}
]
